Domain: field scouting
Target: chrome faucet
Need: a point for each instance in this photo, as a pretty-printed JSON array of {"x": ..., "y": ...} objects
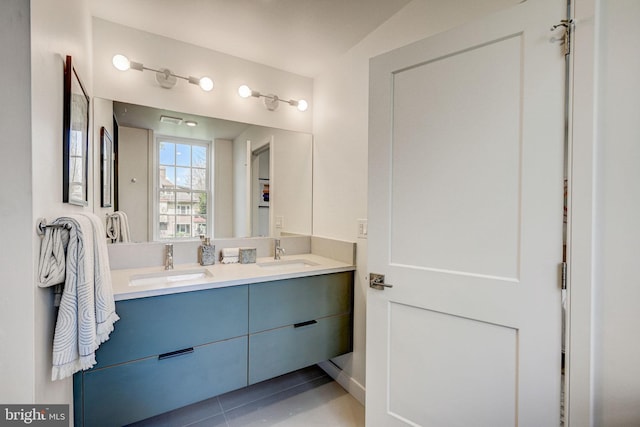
[
  {"x": 278, "y": 251},
  {"x": 168, "y": 256}
]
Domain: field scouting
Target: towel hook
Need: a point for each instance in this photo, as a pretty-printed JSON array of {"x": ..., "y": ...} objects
[{"x": 42, "y": 226}]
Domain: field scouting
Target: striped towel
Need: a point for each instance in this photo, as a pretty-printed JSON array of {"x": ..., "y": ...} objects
[
  {"x": 118, "y": 227},
  {"x": 51, "y": 265},
  {"x": 87, "y": 309}
]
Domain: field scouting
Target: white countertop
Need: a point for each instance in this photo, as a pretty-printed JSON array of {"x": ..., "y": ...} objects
[{"x": 221, "y": 275}]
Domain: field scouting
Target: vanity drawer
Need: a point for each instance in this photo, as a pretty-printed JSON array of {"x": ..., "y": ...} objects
[
  {"x": 122, "y": 394},
  {"x": 282, "y": 350},
  {"x": 161, "y": 324},
  {"x": 285, "y": 302}
]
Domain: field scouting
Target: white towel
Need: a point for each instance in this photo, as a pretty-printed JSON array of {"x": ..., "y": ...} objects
[
  {"x": 229, "y": 255},
  {"x": 117, "y": 227},
  {"x": 87, "y": 309},
  {"x": 51, "y": 265}
]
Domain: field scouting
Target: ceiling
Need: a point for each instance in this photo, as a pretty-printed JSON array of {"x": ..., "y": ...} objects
[
  {"x": 207, "y": 128},
  {"x": 299, "y": 36}
]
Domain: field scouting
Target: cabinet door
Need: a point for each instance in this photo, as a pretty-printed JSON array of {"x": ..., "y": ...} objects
[
  {"x": 122, "y": 394},
  {"x": 161, "y": 324},
  {"x": 285, "y": 302},
  {"x": 282, "y": 350}
]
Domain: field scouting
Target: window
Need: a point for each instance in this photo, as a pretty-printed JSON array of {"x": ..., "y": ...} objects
[{"x": 183, "y": 189}]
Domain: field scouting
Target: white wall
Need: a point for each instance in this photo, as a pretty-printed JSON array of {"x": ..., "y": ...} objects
[
  {"x": 291, "y": 178},
  {"x": 34, "y": 45},
  {"x": 228, "y": 73},
  {"x": 16, "y": 253},
  {"x": 617, "y": 244},
  {"x": 241, "y": 189},
  {"x": 291, "y": 192},
  {"x": 340, "y": 128},
  {"x": 223, "y": 190},
  {"x": 102, "y": 117},
  {"x": 133, "y": 179}
]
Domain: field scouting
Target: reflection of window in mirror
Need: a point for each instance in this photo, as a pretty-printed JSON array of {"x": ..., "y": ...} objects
[{"x": 183, "y": 190}]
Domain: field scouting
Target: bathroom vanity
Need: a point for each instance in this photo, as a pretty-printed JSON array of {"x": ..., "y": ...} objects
[{"x": 177, "y": 345}]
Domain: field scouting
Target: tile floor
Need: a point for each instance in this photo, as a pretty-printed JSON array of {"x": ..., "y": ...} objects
[{"x": 308, "y": 397}]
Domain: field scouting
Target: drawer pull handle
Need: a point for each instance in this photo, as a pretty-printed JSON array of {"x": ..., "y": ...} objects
[
  {"x": 307, "y": 323},
  {"x": 176, "y": 353}
]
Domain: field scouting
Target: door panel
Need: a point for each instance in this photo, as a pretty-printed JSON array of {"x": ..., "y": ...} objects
[
  {"x": 465, "y": 221},
  {"x": 451, "y": 156},
  {"x": 484, "y": 355}
]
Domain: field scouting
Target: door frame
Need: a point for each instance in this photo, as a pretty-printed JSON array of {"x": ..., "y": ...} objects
[{"x": 579, "y": 384}]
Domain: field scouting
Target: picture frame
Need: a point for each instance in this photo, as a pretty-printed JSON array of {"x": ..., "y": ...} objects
[
  {"x": 263, "y": 193},
  {"x": 75, "y": 138},
  {"x": 106, "y": 168}
]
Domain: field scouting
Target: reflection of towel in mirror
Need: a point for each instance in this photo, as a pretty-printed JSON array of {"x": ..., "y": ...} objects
[
  {"x": 87, "y": 309},
  {"x": 118, "y": 227},
  {"x": 229, "y": 255}
]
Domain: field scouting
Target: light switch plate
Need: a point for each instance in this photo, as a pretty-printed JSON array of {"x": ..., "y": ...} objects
[
  {"x": 279, "y": 222},
  {"x": 362, "y": 229}
]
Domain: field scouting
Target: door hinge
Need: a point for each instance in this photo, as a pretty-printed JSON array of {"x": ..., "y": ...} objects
[
  {"x": 565, "y": 39},
  {"x": 563, "y": 266}
]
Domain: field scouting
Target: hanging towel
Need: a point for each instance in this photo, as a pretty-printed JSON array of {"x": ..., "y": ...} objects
[
  {"x": 87, "y": 308},
  {"x": 51, "y": 265},
  {"x": 118, "y": 227}
]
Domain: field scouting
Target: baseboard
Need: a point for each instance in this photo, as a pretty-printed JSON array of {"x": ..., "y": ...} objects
[{"x": 354, "y": 388}]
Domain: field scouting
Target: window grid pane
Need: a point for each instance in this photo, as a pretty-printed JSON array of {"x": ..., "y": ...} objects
[{"x": 183, "y": 190}]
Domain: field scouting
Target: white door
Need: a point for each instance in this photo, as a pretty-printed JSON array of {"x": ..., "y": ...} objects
[{"x": 465, "y": 221}]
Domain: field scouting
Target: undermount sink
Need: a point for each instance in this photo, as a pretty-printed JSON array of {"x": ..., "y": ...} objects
[
  {"x": 169, "y": 277},
  {"x": 287, "y": 264}
]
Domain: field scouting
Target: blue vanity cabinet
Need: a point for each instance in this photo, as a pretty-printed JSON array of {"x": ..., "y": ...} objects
[
  {"x": 164, "y": 353},
  {"x": 295, "y": 323},
  {"x": 173, "y": 350}
]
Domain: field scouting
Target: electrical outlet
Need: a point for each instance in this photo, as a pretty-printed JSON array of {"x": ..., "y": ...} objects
[
  {"x": 279, "y": 222},
  {"x": 362, "y": 229}
]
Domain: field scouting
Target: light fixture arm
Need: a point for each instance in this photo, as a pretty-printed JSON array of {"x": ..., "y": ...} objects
[
  {"x": 165, "y": 77},
  {"x": 271, "y": 101}
]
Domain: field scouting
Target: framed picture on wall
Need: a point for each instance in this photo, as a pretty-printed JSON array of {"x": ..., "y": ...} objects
[
  {"x": 106, "y": 169},
  {"x": 75, "y": 138}
]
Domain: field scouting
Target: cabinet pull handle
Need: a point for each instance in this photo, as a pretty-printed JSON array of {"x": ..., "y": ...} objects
[
  {"x": 175, "y": 353},
  {"x": 307, "y": 323}
]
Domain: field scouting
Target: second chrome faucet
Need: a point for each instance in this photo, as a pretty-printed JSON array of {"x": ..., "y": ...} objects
[
  {"x": 168, "y": 256},
  {"x": 277, "y": 250}
]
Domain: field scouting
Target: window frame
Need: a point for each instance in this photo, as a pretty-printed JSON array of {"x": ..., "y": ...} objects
[{"x": 155, "y": 212}]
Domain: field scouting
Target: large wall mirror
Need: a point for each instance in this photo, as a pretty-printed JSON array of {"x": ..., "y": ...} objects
[{"x": 181, "y": 175}]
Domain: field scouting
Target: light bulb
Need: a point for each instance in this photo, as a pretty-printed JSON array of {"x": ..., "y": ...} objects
[
  {"x": 302, "y": 105},
  {"x": 206, "y": 84},
  {"x": 244, "y": 91},
  {"x": 121, "y": 62}
]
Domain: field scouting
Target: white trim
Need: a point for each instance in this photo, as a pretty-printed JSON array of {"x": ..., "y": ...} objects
[
  {"x": 347, "y": 382},
  {"x": 273, "y": 186},
  {"x": 152, "y": 180},
  {"x": 247, "y": 189},
  {"x": 581, "y": 216}
]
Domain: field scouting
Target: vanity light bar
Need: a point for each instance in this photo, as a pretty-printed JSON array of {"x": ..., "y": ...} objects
[
  {"x": 272, "y": 101},
  {"x": 164, "y": 76}
]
